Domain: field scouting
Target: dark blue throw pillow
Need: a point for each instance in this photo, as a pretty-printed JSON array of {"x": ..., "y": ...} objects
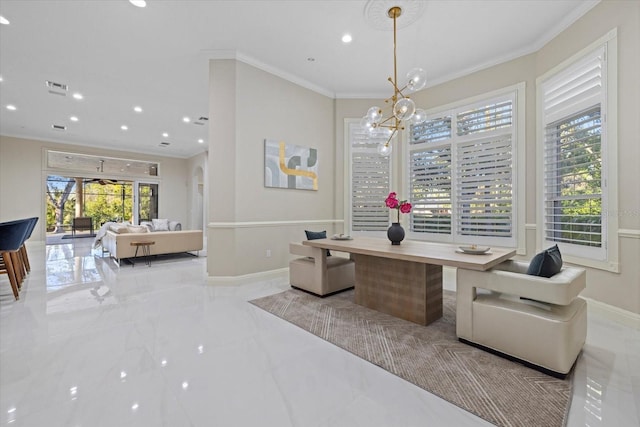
[
  {"x": 546, "y": 263},
  {"x": 313, "y": 235}
]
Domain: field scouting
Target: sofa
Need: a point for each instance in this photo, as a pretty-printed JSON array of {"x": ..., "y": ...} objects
[
  {"x": 540, "y": 321},
  {"x": 117, "y": 241}
]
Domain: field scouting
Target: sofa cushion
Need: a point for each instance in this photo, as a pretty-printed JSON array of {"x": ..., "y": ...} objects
[
  {"x": 147, "y": 224},
  {"x": 175, "y": 226},
  {"x": 313, "y": 235},
  {"x": 160, "y": 224},
  {"x": 546, "y": 263},
  {"x": 119, "y": 228},
  {"x": 137, "y": 229}
]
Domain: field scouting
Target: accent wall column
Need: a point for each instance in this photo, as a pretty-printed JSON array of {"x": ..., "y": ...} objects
[{"x": 221, "y": 243}]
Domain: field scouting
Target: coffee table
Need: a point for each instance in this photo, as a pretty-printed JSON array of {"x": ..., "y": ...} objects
[{"x": 405, "y": 281}]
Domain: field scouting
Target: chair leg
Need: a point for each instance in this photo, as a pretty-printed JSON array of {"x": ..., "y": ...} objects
[
  {"x": 23, "y": 266},
  {"x": 16, "y": 264},
  {"x": 25, "y": 257},
  {"x": 10, "y": 272}
]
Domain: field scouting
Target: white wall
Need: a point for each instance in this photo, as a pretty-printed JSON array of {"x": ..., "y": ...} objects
[
  {"x": 23, "y": 175},
  {"x": 248, "y": 105}
]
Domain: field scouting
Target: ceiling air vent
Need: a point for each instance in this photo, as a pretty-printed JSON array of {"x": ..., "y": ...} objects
[
  {"x": 56, "y": 88},
  {"x": 201, "y": 120},
  {"x": 164, "y": 144},
  {"x": 58, "y": 127}
]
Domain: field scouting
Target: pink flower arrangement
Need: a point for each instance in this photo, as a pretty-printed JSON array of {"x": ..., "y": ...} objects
[{"x": 392, "y": 202}]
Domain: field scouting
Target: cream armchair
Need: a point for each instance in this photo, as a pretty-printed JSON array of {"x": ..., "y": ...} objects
[
  {"x": 317, "y": 273},
  {"x": 548, "y": 332}
]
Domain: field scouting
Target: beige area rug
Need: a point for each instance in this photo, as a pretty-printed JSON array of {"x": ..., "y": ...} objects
[{"x": 498, "y": 390}]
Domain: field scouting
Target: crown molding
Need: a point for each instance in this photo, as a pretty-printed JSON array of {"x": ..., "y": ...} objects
[{"x": 249, "y": 60}]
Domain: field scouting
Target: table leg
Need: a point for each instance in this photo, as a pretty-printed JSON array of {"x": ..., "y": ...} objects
[
  {"x": 147, "y": 254},
  {"x": 133, "y": 261},
  {"x": 405, "y": 289}
]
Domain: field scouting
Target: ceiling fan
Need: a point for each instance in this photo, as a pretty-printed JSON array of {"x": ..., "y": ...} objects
[{"x": 102, "y": 181}]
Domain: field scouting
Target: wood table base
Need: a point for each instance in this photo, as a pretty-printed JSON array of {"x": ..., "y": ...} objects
[{"x": 405, "y": 289}]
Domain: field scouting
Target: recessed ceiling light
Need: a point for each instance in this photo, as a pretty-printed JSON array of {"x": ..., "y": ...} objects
[
  {"x": 347, "y": 38},
  {"x": 165, "y": 135},
  {"x": 124, "y": 127},
  {"x": 73, "y": 118},
  {"x": 11, "y": 107},
  {"x": 201, "y": 141},
  {"x": 186, "y": 119},
  {"x": 138, "y": 3},
  {"x": 137, "y": 109},
  {"x": 78, "y": 96},
  {"x": 4, "y": 21}
]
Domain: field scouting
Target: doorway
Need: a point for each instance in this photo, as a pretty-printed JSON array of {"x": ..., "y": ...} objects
[{"x": 147, "y": 201}]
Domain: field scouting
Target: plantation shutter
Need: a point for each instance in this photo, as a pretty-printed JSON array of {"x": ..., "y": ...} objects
[
  {"x": 461, "y": 173},
  {"x": 485, "y": 118},
  {"x": 577, "y": 88},
  {"x": 370, "y": 183},
  {"x": 572, "y": 192},
  {"x": 430, "y": 190},
  {"x": 431, "y": 130},
  {"x": 485, "y": 187}
]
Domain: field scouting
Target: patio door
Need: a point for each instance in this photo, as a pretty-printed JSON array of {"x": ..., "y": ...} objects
[{"x": 147, "y": 206}]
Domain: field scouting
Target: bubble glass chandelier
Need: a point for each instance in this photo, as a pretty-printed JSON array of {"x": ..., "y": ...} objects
[{"x": 403, "y": 109}]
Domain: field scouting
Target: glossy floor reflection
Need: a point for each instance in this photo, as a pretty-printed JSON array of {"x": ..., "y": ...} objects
[{"x": 92, "y": 344}]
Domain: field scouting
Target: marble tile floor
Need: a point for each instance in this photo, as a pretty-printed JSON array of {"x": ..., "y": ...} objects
[{"x": 91, "y": 344}]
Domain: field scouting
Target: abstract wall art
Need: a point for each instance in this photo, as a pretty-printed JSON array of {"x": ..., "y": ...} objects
[{"x": 290, "y": 166}]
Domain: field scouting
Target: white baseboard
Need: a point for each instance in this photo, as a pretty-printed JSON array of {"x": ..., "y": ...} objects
[
  {"x": 616, "y": 314},
  {"x": 280, "y": 273}
]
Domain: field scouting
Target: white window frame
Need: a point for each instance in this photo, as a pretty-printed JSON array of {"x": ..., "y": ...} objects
[
  {"x": 606, "y": 258},
  {"x": 348, "y": 199},
  {"x": 518, "y": 202}
]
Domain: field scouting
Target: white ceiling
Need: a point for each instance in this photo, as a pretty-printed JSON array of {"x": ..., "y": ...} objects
[{"x": 119, "y": 56}]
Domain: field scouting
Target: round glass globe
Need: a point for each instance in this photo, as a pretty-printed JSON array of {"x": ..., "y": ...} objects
[
  {"x": 366, "y": 123},
  {"x": 381, "y": 133},
  {"x": 375, "y": 114},
  {"x": 419, "y": 116},
  {"x": 384, "y": 149},
  {"x": 404, "y": 109},
  {"x": 417, "y": 79}
]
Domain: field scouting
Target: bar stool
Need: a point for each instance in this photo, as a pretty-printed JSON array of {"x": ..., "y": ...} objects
[{"x": 12, "y": 237}]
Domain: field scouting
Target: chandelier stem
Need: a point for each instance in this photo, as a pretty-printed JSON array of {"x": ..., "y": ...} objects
[
  {"x": 402, "y": 107},
  {"x": 395, "y": 64}
]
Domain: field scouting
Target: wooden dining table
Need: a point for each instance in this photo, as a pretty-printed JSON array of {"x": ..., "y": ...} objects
[{"x": 405, "y": 280}]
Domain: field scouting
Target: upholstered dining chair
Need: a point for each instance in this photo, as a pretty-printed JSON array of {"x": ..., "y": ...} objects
[
  {"x": 317, "y": 273},
  {"x": 12, "y": 237},
  {"x": 540, "y": 321}
]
